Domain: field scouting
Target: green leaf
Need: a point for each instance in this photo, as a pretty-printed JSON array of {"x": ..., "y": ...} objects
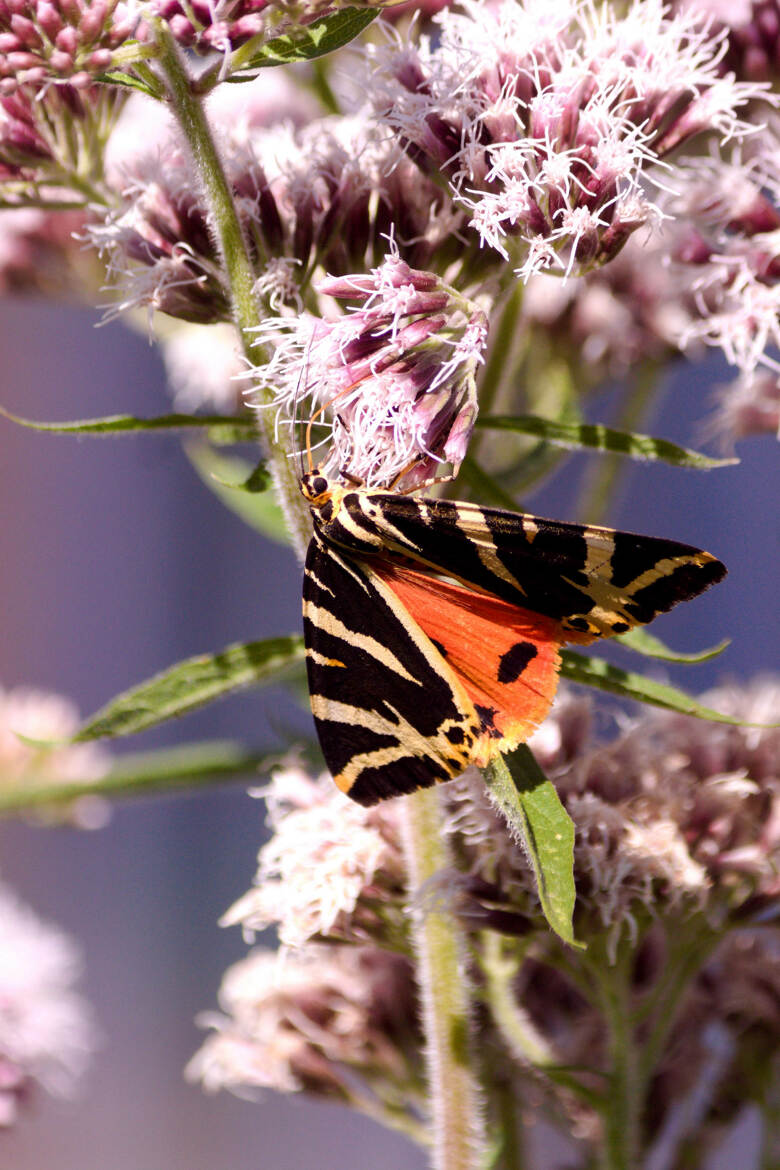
[
  {"x": 233, "y": 481},
  {"x": 188, "y": 766},
  {"x": 193, "y": 683},
  {"x": 304, "y": 42},
  {"x": 129, "y": 81},
  {"x": 258, "y": 480},
  {"x": 639, "y": 640},
  {"x": 535, "y": 815},
  {"x": 595, "y": 672},
  {"x": 600, "y": 438},
  {"x": 227, "y": 429}
]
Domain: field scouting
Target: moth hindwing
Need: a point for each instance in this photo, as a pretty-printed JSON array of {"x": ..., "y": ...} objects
[{"x": 412, "y": 677}]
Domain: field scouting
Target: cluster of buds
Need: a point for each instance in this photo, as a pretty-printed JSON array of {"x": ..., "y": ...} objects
[
  {"x": 61, "y": 40},
  {"x": 396, "y": 374},
  {"x": 550, "y": 122},
  {"x": 213, "y": 27},
  {"x": 221, "y": 26},
  {"x": 23, "y": 148},
  {"x": 712, "y": 275},
  {"x": 51, "y": 144}
]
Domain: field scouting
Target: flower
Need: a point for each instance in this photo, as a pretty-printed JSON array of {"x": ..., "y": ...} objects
[
  {"x": 39, "y": 253},
  {"x": 46, "y": 1030},
  {"x": 51, "y": 143},
  {"x": 752, "y": 29},
  {"x": 44, "y": 41},
  {"x": 550, "y": 121},
  {"x": 202, "y": 364},
  {"x": 396, "y": 374},
  {"x": 44, "y": 717},
  {"x": 158, "y": 248},
  {"x": 609, "y": 320},
  {"x": 332, "y": 868},
  {"x": 730, "y": 247},
  {"x": 750, "y": 405},
  {"x": 309, "y": 201},
  {"x": 677, "y": 853},
  {"x": 335, "y": 1022}
]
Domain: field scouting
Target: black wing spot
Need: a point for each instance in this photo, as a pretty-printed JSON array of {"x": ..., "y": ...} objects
[
  {"x": 621, "y": 627},
  {"x": 487, "y": 717},
  {"x": 577, "y": 623},
  {"x": 515, "y": 661},
  {"x": 439, "y": 647},
  {"x": 455, "y": 735}
]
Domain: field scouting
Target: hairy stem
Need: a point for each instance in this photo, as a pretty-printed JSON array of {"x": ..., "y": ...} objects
[
  {"x": 188, "y": 108},
  {"x": 623, "y": 1099},
  {"x": 444, "y": 993}
]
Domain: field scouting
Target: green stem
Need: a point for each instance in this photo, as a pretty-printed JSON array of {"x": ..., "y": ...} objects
[
  {"x": 500, "y": 965},
  {"x": 187, "y": 106},
  {"x": 458, "y": 1140},
  {"x": 622, "y": 1100},
  {"x": 502, "y": 351},
  {"x": 512, "y": 1154},
  {"x": 697, "y": 941},
  {"x": 604, "y": 478}
]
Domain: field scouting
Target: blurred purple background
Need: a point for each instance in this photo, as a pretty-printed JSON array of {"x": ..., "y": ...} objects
[{"x": 116, "y": 563}]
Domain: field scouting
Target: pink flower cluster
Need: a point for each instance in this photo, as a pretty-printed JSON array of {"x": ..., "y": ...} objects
[
  {"x": 550, "y": 121},
  {"x": 61, "y": 40}
]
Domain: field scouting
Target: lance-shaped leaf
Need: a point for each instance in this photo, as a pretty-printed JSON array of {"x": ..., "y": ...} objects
[
  {"x": 222, "y": 429},
  {"x": 595, "y": 672},
  {"x": 239, "y": 487},
  {"x": 596, "y": 437},
  {"x": 301, "y": 42},
  {"x": 640, "y": 641},
  {"x": 141, "y": 773},
  {"x": 536, "y": 817},
  {"x": 193, "y": 683}
]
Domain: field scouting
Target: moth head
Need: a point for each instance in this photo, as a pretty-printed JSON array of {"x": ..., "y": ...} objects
[{"x": 315, "y": 488}]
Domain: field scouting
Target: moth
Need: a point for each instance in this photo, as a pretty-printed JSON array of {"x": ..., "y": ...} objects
[{"x": 433, "y": 628}]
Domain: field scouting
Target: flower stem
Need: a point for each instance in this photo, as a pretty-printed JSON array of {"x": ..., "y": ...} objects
[
  {"x": 623, "y": 1098},
  {"x": 604, "y": 480},
  {"x": 188, "y": 108},
  {"x": 444, "y": 992}
]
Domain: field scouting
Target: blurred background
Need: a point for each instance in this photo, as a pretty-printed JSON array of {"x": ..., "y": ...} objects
[{"x": 117, "y": 562}]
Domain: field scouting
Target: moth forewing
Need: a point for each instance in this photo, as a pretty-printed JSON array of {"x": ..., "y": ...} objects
[{"x": 596, "y": 581}]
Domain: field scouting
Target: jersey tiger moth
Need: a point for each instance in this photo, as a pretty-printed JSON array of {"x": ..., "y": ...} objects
[{"x": 413, "y": 676}]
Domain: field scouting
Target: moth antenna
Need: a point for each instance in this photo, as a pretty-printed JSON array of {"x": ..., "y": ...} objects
[
  {"x": 303, "y": 380},
  {"x": 320, "y": 411}
]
